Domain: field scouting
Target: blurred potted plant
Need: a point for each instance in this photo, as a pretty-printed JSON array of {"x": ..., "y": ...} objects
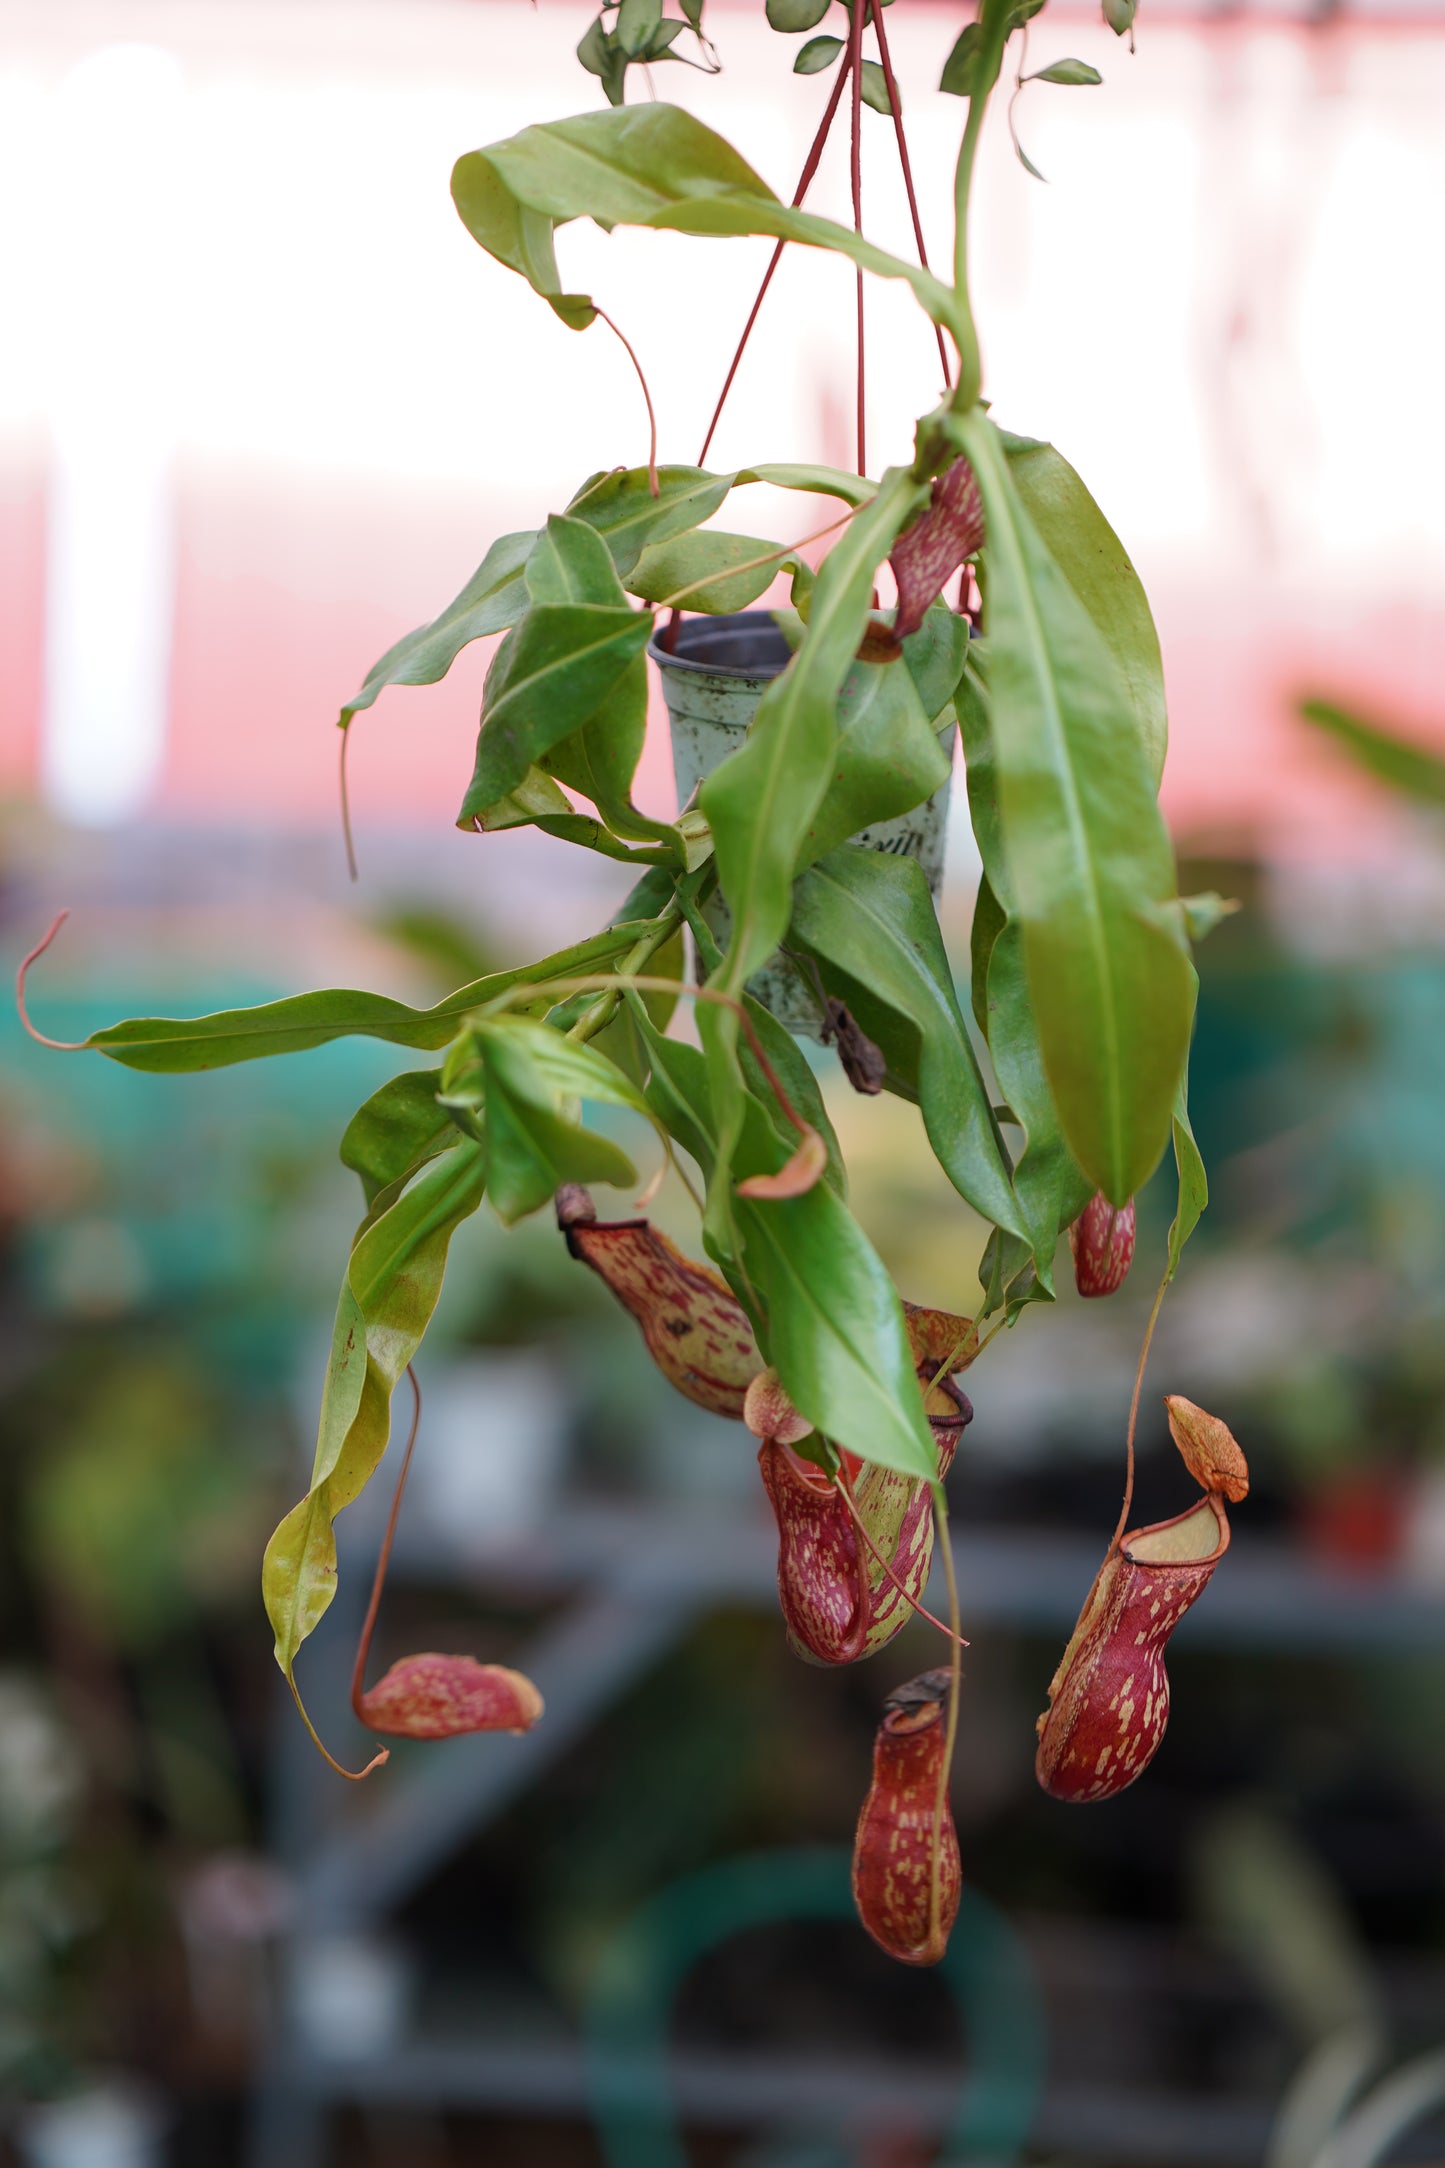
[{"x": 1082, "y": 984}]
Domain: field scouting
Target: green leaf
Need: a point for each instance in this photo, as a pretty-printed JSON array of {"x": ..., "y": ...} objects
[
  {"x": 565, "y": 659},
  {"x": 1403, "y": 763},
  {"x": 666, "y": 35},
  {"x": 520, "y": 1083},
  {"x": 887, "y": 759},
  {"x": 601, "y": 758},
  {"x": 1075, "y": 73},
  {"x": 936, "y": 656},
  {"x": 1094, "y": 562},
  {"x": 1119, "y": 15},
  {"x": 1049, "y": 1186},
  {"x": 621, "y": 506},
  {"x": 637, "y": 25},
  {"x": 989, "y": 920},
  {"x": 816, "y": 55},
  {"x": 700, "y": 569},
  {"x": 167, "y": 1045},
  {"x": 873, "y": 88},
  {"x": 798, "y": 1080},
  {"x": 957, "y": 78},
  {"x": 868, "y": 919},
  {"x": 397, "y": 1129},
  {"x": 831, "y": 1322},
  {"x": 1193, "y": 1181},
  {"x": 652, "y": 165},
  {"x": 1091, "y": 872},
  {"x": 570, "y": 562},
  {"x": 796, "y": 15},
  {"x": 494, "y": 597},
  {"x": 393, "y": 1279},
  {"x": 814, "y": 480},
  {"x": 594, "y": 51}
]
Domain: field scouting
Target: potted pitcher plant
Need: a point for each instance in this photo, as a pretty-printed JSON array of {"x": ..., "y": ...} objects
[{"x": 793, "y": 896}]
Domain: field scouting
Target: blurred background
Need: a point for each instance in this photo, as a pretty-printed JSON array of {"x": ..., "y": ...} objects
[{"x": 263, "y": 406}]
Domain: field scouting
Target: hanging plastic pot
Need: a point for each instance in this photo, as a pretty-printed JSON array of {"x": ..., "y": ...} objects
[{"x": 712, "y": 680}]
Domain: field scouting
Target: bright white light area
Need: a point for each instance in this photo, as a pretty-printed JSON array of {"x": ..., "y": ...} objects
[{"x": 108, "y": 323}]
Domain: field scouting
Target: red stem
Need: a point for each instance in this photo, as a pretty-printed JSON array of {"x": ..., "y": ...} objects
[
  {"x": 63, "y": 1046},
  {"x": 647, "y": 395},
  {"x": 885, "y": 61},
  {"x": 805, "y": 182},
  {"x": 855, "y": 62},
  {"x": 383, "y": 1558}
]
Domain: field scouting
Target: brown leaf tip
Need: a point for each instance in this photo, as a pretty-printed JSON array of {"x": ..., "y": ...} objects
[
  {"x": 797, "y": 1175},
  {"x": 443, "y": 1697},
  {"x": 1208, "y": 1448}
]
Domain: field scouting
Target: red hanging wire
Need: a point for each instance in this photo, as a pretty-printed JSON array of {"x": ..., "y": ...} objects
[
  {"x": 805, "y": 182},
  {"x": 886, "y": 61},
  {"x": 855, "y": 159}
]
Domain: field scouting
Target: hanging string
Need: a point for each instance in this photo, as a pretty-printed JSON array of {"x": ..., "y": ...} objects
[{"x": 886, "y": 62}]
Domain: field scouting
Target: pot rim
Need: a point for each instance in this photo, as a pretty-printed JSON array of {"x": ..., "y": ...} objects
[{"x": 763, "y": 620}]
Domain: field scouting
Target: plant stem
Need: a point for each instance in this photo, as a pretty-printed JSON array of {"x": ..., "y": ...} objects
[
  {"x": 955, "y": 1692},
  {"x": 994, "y": 21},
  {"x": 601, "y": 1012},
  {"x": 1134, "y": 1412}
]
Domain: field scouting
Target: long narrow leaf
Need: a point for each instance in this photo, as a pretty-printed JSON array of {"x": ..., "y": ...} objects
[
  {"x": 1090, "y": 866},
  {"x": 171, "y": 1045},
  {"x": 1050, "y": 1188},
  {"x": 392, "y": 1282},
  {"x": 1096, "y": 565}
]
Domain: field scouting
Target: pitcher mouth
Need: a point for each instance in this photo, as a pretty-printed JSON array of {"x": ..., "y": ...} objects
[{"x": 745, "y": 645}]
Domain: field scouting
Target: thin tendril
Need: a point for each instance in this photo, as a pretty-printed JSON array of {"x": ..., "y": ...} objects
[
  {"x": 63, "y": 1046},
  {"x": 346, "y": 807},
  {"x": 383, "y": 1556},
  {"x": 652, "y": 482},
  {"x": 352, "y": 1776},
  {"x": 862, "y": 1527},
  {"x": 1134, "y": 1416},
  {"x": 955, "y": 1693},
  {"x": 810, "y": 167}
]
